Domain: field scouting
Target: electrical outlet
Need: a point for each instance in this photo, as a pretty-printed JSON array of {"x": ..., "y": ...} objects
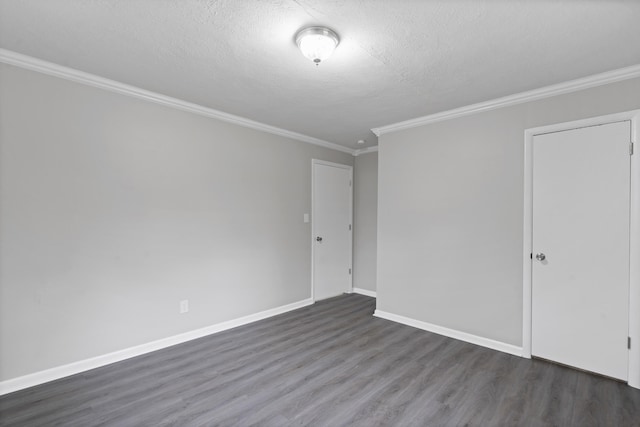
[{"x": 184, "y": 306}]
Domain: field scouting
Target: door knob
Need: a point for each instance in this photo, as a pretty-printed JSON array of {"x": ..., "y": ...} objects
[
  {"x": 541, "y": 256},
  {"x": 318, "y": 239}
]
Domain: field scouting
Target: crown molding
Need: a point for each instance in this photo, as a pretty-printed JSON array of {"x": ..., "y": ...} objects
[
  {"x": 519, "y": 98},
  {"x": 49, "y": 68},
  {"x": 361, "y": 151}
]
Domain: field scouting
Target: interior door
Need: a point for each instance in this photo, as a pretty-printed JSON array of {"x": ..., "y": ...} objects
[
  {"x": 331, "y": 219},
  {"x": 580, "y": 271}
]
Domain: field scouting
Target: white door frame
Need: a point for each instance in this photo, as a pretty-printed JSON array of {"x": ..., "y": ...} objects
[
  {"x": 313, "y": 219},
  {"x": 634, "y": 231}
]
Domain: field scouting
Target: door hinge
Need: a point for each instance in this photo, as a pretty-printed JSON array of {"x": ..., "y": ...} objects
[
  {"x": 349, "y": 227},
  {"x": 631, "y": 144},
  {"x": 629, "y": 343},
  {"x": 531, "y": 255},
  {"x": 349, "y": 271}
]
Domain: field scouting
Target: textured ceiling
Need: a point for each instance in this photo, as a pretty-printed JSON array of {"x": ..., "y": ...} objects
[{"x": 397, "y": 60}]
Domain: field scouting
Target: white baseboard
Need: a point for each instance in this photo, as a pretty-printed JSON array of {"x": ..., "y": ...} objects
[
  {"x": 366, "y": 292},
  {"x": 451, "y": 333},
  {"x": 58, "y": 372}
]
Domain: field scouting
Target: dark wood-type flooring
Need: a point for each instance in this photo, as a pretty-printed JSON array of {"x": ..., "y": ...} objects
[{"x": 330, "y": 364}]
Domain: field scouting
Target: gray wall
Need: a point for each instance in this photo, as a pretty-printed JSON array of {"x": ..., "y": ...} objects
[
  {"x": 114, "y": 209},
  {"x": 365, "y": 221},
  {"x": 450, "y": 217}
]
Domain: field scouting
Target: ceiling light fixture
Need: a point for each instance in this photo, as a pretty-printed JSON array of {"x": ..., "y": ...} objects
[{"x": 317, "y": 43}]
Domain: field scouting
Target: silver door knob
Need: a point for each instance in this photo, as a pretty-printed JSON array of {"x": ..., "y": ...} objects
[
  {"x": 541, "y": 256},
  {"x": 318, "y": 239}
]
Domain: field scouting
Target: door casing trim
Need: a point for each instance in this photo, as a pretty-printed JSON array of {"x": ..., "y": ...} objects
[{"x": 634, "y": 232}]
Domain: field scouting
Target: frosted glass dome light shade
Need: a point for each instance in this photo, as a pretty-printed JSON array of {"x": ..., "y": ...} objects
[{"x": 317, "y": 43}]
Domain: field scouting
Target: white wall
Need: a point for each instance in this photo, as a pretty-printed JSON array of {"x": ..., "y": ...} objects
[
  {"x": 365, "y": 221},
  {"x": 450, "y": 218},
  {"x": 112, "y": 210}
]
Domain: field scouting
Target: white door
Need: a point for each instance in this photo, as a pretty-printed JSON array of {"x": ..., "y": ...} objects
[
  {"x": 580, "y": 271},
  {"x": 331, "y": 219}
]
